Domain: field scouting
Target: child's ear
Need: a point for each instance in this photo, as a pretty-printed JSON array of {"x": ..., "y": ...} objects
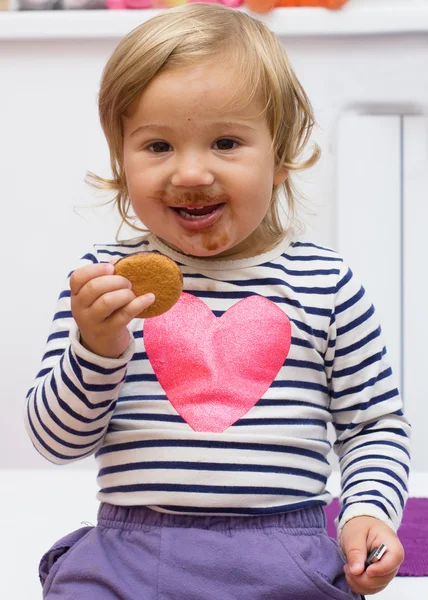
[{"x": 280, "y": 175}]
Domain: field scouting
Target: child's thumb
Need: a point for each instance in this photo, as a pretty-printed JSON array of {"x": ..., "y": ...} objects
[
  {"x": 354, "y": 545},
  {"x": 355, "y": 559}
]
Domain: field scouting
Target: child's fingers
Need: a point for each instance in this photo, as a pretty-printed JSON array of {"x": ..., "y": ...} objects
[
  {"x": 365, "y": 585},
  {"x": 108, "y": 303},
  {"x": 124, "y": 316},
  {"x": 389, "y": 564},
  {"x": 82, "y": 276},
  {"x": 96, "y": 288}
]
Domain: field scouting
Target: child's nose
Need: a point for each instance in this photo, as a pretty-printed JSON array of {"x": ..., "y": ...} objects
[{"x": 190, "y": 171}]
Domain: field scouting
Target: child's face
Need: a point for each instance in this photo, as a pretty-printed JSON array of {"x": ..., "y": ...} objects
[{"x": 198, "y": 176}]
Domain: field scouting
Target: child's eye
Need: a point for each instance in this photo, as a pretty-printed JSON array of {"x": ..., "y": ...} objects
[
  {"x": 158, "y": 147},
  {"x": 226, "y": 144}
]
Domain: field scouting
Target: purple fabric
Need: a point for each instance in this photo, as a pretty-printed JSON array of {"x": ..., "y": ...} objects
[
  {"x": 136, "y": 553},
  {"x": 413, "y": 534}
]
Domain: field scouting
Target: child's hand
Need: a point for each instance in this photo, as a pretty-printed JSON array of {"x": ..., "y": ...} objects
[
  {"x": 102, "y": 305},
  {"x": 358, "y": 538}
]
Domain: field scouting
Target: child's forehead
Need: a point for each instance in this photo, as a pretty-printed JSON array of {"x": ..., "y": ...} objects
[{"x": 201, "y": 90}]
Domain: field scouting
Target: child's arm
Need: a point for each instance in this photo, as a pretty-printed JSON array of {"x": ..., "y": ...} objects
[
  {"x": 74, "y": 395},
  {"x": 372, "y": 432}
]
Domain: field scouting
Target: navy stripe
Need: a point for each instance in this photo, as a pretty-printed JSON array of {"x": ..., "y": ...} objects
[
  {"x": 375, "y": 470},
  {"x": 90, "y": 387},
  {"x": 244, "y": 422},
  {"x": 52, "y": 353},
  {"x": 81, "y": 396},
  {"x": 96, "y": 368},
  {"x": 66, "y": 408},
  {"x": 359, "y": 388},
  {"x": 91, "y": 257},
  {"x": 302, "y": 343},
  {"x": 304, "y": 364},
  {"x": 116, "y": 252},
  {"x": 358, "y": 345},
  {"x": 140, "y": 377},
  {"x": 374, "y": 502},
  {"x": 318, "y": 333},
  {"x": 272, "y": 281},
  {"x": 356, "y": 323},
  {"x": 374, "y": 493},
  {"x": 312, "y": 258},
  {"x": 345, "y": 279},
  {"x": 351, "y": 302},
  {"x": 150, "y": 417},
  {"x": 275, "y": 402},
  {"x": 54, "y": 437},
  {"x": 372, "y": 428},
  {"x": 380, "y": 443},
  {"x": 300, "y": 385},
  {"x": 312, "y": 245},
  {"x": 143, "y": 398},
  {"x": 43, "y": 372},
  {"x": 382, "y": 482},
  {"x": 211, "y": 444},
  {"x": 362, "y": 365},
  {"x": 139, "y": 356},
  {"x": 64, "y": 427},
  {"x": 57, "y": 335},
  {"x": 48, "y": 448},
  {"x": 204, "y": 489},
  {"x": 63, "y": 314},
  {"x": 210, "y": 466},
  {"x": 368, "y": 457},
  {"x": 371, "y": 402},
  {"x": 100, "y": 247},
  {"x": 301, "y": 273}
]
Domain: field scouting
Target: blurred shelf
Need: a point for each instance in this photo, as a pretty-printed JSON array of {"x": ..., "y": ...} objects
[{"x": 112, "y": 24}]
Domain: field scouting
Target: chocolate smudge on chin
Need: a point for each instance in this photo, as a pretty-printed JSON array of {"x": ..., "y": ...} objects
[
  {"x": 210, "y": 240},
  {"x": 214, "y": 242}
]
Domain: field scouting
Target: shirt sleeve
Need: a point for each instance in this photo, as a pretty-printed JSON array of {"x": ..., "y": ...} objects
[
  {"x": 70, "y": 404},
  {"x": 372, "y": 433}
]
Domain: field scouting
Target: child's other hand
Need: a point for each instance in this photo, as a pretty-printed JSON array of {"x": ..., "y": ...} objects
[
  {"x": 102, "y": 305},
  {"x": 358, "y": 538}
]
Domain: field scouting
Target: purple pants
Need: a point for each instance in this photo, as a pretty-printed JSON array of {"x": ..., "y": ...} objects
[{"x": 139, "y": 554}]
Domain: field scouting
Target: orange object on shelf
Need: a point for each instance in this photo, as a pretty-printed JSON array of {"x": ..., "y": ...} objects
[{"x": 264, "y": 6}]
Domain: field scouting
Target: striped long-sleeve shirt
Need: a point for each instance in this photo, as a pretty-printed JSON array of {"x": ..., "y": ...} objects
[{"x": 221, "y": 406}]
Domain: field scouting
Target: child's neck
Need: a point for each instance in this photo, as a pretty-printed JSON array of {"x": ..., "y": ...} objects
[{"x": 253, "y": 245}]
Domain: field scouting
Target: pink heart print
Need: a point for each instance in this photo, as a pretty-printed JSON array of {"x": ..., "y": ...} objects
[{"x": 215, "y": 369}]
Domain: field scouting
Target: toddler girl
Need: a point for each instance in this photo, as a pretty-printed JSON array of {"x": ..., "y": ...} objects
[{"x": 212, "y": 484}]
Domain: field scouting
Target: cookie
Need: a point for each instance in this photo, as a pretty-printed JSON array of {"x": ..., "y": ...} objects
[{"x": 152, "y": 272}]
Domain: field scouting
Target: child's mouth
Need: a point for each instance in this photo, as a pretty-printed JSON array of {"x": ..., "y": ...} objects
[{"x": 198, "y": 218}]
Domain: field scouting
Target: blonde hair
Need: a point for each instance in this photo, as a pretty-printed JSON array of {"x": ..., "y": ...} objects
[{"x": 195, "y": 33}]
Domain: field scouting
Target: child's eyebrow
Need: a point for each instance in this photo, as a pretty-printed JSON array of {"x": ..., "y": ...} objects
[{"x": 216, "y": 124}]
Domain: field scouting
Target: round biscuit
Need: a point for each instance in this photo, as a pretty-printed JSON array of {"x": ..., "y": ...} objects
[{"x": 152, "y": 272}]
